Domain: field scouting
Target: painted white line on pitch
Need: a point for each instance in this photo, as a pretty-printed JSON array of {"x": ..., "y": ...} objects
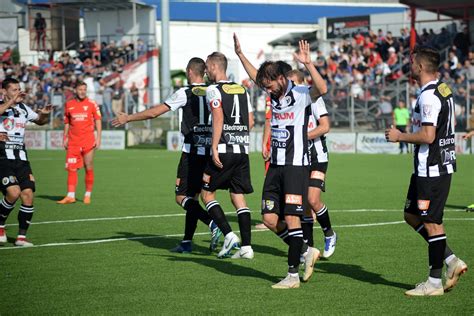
[
  {"x": 101, "y": 241},
  {"x": 98, "y": 219}
]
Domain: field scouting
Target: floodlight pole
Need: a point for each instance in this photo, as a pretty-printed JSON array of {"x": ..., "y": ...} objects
[
  {"x": 165, "y": 50},
  {"x": 63, "y": 30},
  {"x": 218, "y": 25},
  {"x": 135, "y": 31}
]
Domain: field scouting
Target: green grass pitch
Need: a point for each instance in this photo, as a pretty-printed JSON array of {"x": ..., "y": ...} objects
[{"x": 112, "y": 257}]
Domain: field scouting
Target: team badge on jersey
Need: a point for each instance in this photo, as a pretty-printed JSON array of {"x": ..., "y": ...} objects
[
  {"x": 8, "y": 124},
  {"x": 199, "y": 91},
  {"x": 216, "y": 103},
  {"x": 5, "y": 181},
  {"x": 427, "y": 110},
  {"x": 233, "y": 89},
  {"x": 444, "y": 90}
]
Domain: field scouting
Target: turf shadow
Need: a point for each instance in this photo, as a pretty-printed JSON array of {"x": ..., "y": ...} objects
[
  {"x": 356, "y": 272},
  {"x": 49, "y": 197},
  {"x": 159, "y": 242},
  {"x": 226, "y": 266}
]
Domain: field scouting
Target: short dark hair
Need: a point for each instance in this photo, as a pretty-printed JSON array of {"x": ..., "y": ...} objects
[
  {"x": 429, "y": 56},
  {"x": 80, "y": 83},
  {"x": 219, "y": 58},
  {"x": 197, "y": 65},
  {"x": 9, "y": 81},
  {"x": 271, "y": 70}
]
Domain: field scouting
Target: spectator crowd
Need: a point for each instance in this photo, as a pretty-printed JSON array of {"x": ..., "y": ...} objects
[{"x": 362, "y": 66}]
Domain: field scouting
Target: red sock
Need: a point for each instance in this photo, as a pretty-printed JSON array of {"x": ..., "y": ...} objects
[
  {"x": 71, "y": 180},
  {"x": 89, "y": 180}
]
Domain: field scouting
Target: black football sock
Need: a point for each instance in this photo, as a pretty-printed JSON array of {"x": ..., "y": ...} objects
[
  {"x": 191, "y": 205},
  {"x": 218, "y": 216},
  {"x": 295, "y": 237},
  {"x": 420, "y": 229},
  {"x": 24, "y": 218},
  {"x": 322, "y": 216},
  {"x": 5, "y": 210},
  {"x": 243, "y": 215},
  {"x": 436, "y": 247},
  {"x": 283, "y": 234},
  {"x": 307, "y": 224}
]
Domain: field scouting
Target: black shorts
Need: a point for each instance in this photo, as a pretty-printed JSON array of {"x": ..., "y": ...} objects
[
  {"x": 427, "y": 197},
  {"x": 317, "y": 177},
  {"x": 16, "y": 172},
  {"x": 189, "y": 174},
  {"x": 285, "y": 191},
  {"x": 234, "y": 176}
]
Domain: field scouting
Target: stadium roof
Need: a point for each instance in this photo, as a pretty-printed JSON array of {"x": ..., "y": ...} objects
[
  {"x": 97, "y": 5},
  {"x": 457, "y": 9},
  {"x": 241, "y": 11}
]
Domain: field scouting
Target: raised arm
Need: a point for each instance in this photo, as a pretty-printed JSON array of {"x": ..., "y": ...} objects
[
  {"x": 319, "y": 86},
  {"x": 151, "y": 113},
  {"x": 249, "y": 68},
  {"x": 43, "y": 115}
]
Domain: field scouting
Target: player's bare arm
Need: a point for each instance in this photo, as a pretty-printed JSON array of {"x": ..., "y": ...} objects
[
  {"x": 303, "y": 56},
  {"x": 98, "y": 129},
  {"x": 322, "y": 129},
  {"x": 65, "y": 138},
  {"x": 426, "y": 135},
  {"x": 468, "y": 135},
  {"x": 44, "y": 114},
  {"x": 249, "y": 68},
  {"x": 265, "y": 138},
  {"x": 217, "y": 125},
  {"x": 151, "y": 113}
]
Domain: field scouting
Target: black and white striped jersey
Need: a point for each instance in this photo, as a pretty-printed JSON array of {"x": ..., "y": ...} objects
[
  {"x": 195, "y": 118},
  {"x": 317, "y": 147},
  {"x": 435, "y": 107},
  {"x": 289, "y": 127},
  {"x": 13, "y": 124},
  {"x": 236, "y": 107}
]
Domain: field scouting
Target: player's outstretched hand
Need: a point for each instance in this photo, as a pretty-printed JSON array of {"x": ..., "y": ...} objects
[
  {"x": 46, "y": 110},
  {"x": 303, "y": 56},
  {"x": 215, "y": 158},
  {"x": 121, "y": 119},
  {"x": 392, "y": 134},
  {"x": 468, "y": 135},
  {"x": 237, "y": 48}
]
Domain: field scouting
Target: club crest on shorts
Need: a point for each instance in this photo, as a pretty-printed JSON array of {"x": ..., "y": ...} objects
[
  {"x": 407, "y": 204},
  {"x": 268, "y": 204}
]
